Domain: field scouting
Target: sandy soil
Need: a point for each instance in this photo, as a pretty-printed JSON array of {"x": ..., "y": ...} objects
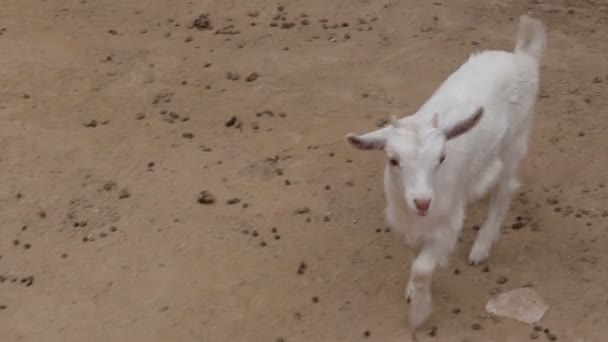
[{"x": 116, "y": 115}]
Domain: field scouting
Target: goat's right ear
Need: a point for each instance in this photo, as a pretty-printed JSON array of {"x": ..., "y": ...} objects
[
  {"x": 375, "y": 140},
  {"x": 464, "y": 125}
]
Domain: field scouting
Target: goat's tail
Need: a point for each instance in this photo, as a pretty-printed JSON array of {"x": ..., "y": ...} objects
[{"x": 531, "y": 37}]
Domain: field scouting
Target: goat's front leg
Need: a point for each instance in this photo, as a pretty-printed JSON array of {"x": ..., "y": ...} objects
[
  {"x": 418, "y": 288},
  {"x": 409, "y": 287}
]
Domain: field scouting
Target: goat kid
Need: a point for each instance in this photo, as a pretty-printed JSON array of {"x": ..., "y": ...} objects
[{"x": 467, "y": 140}]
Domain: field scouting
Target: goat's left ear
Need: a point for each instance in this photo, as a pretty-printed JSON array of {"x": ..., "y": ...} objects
[
  {"x": 375, "y": 140},
  {"x": 464, "y": 126}
]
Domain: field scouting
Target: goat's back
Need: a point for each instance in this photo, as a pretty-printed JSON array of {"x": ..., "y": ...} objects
[{"x": 506, "y": 85}]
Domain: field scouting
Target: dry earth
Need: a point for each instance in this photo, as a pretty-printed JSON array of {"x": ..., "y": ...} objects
[{"x": 115, "y": 115}]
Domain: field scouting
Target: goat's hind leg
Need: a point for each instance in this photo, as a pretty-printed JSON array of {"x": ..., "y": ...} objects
[{"x": 499, "y": 206}]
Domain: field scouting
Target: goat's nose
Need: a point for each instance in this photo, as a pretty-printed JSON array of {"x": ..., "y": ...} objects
[{"x": 422, "y": 204}]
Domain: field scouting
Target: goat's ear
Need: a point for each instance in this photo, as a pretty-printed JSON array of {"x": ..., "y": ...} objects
[
  {"x": 375, "y": 140},
  {"x": 465, "y": 125}
]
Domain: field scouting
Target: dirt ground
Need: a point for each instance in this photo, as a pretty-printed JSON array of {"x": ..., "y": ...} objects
[{"x": 116, "y": 115}]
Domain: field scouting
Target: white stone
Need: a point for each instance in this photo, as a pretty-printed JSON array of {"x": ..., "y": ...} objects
[{"x": 523, "y": 304}]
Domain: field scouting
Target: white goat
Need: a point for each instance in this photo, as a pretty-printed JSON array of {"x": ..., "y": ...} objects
[{"x": 467, "y": 139}]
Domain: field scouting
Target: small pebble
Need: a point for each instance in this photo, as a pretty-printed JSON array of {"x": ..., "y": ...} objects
[
  {"x": 252, "y": 77},
  {"x": 302, "y": 210},
  {"x": 206, "y": 197},
  {"x": 518, "y": 225},
  {"x": 233, "y": 76},
  {"x": 231, "y": 122},
  {"x": 502, "y": 280},
  {"x": 476, "y": 326},
  {"x": 315, "y": 299},
  {"x": 91, "y": 123},
  {"x": 302, "y": 268},
  {"x": 233, "y": 201},
  {"x": 366, "y": 333},
  {"x": 124, "y": 193}
]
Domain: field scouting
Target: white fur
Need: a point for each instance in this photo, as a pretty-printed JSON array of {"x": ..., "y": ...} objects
[{"x": 485, "y": 158}]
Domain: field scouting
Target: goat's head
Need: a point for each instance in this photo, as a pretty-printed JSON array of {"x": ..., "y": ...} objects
[{"x": 415, "y": 150}]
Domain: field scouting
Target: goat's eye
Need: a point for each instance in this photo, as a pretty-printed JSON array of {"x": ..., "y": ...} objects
[
  {"x": 394, "y": 162},
  {"x": 441, "y": 159}
]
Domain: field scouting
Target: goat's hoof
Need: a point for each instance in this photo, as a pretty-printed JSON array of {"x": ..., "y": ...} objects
[
  {"x": 409, "y": 292},
  {"x": 420, "y": 311},
  {"x": 479, "y": 254}
]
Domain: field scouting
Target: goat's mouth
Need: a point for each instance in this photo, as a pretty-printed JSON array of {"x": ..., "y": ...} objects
[{"x": 422, "y": 213}]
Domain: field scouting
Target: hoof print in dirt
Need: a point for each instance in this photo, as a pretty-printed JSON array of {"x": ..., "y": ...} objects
[
  {"x": 28, "y": 281},
  {"x": 206, "y": 198}
]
